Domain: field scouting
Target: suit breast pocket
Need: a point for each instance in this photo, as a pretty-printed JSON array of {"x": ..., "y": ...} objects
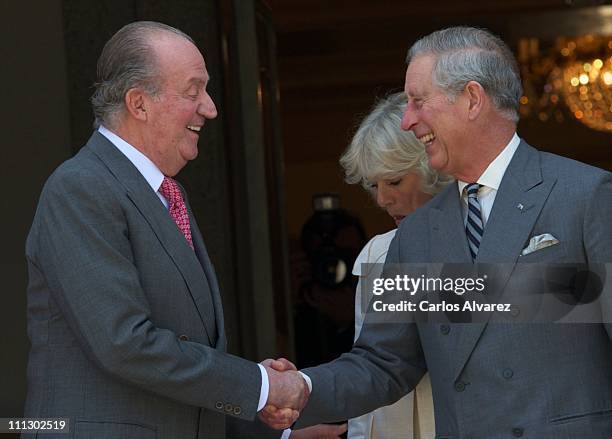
[
  {"x": 553, "y": 253},
  {"x": 112, "y": 430}
]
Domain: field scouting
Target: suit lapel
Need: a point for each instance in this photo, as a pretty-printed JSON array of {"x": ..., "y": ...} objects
[
  {"x": 448, "y": 241},
  {"x": 164, "y": 228},
  {"x": 211, "y": 278},
  {"x": 518, "y": 203},
  {"x": 449, "y": 245}
]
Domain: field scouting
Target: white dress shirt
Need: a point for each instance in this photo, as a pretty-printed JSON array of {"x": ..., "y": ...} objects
[
  {"x": 145, "y": 166},
  {"x": 155, "y": 177},
  {"x": 490, "y": 180}
]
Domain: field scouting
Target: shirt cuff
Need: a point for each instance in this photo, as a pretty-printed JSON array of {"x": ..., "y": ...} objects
[
  {"x": 265, "y": 389},
  {"x": 308, "y": 381},
  {"x": 286, "y": 434}
]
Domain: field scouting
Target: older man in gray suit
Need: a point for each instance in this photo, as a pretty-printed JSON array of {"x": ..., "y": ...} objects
[
  {"x": 124, "y": 312},
  {"x": 489, "y": 380}
]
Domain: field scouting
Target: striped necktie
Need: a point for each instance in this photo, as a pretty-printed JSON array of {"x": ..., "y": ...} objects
[{"x": 474, "y": 226}]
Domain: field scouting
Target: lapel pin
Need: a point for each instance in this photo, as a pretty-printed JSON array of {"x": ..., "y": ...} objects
[{"x": 520, "y": 206}]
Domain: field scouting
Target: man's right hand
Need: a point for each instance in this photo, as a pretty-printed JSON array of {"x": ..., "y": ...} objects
[{"x": 288, "y": 394}]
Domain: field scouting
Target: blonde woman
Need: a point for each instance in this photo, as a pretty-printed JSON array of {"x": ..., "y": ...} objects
[{"x": 392, "y": 165}]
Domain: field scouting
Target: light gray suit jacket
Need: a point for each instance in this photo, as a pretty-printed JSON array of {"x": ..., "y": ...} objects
[
  {"x": 125, "y": 319},
  {"x": 493, "y": 380}
]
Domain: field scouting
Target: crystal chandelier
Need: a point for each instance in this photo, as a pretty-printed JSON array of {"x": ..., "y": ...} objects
[{"x": 574, "y": 75}]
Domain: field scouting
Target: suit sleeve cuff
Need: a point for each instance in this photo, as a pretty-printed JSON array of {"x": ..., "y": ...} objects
[
  {"x": 265, "y": 388},
  {"x": 308, "y": 381}
]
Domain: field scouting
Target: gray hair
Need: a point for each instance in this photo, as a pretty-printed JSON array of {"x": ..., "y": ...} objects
[
  {"x": 466, "y": 54},
  {"x": 381, "y": 149},
  {"x": 127, "y": 61}
]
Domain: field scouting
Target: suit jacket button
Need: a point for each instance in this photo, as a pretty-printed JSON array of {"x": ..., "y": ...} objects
[
  {"x": 517, "y": 432},
  {"x": 507, "y": 373},
  {"x": 445, "y": 329},
  {"x": 459, "y": 386},
  {"x": 219, "y": 405},
  {"x": 237, "y": 410},
  {"x": 229, "y": 408},
  {"x": 183, "y": 337}
]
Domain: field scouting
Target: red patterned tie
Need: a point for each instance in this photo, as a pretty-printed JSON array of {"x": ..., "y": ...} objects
[{"x": 178, "y": 211}]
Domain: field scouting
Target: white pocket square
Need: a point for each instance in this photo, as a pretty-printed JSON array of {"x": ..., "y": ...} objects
[{"x": 539, "y": 242}]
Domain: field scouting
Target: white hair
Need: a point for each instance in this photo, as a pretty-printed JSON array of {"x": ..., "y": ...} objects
[
  {"x": 381, "y": 149},
  {"x": 466, "y": 54}
]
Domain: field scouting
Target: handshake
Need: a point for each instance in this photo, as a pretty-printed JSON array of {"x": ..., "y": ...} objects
[{"x": 287, "y": 396}]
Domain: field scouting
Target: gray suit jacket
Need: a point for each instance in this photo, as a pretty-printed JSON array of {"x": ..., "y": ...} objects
[
  {"x": 493, "y": 380},
  {"x": 125, "y": 319}
]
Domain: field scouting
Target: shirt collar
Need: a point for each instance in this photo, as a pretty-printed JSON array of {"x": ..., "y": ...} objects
[
  {"x": 492, "y": 176},
  {"x": 145, "y": 166}
]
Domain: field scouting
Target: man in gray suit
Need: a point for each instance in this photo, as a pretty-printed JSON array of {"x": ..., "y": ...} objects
[
  {"x": 124, "y": 312},
  {"x": 511, "y": 204}
]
